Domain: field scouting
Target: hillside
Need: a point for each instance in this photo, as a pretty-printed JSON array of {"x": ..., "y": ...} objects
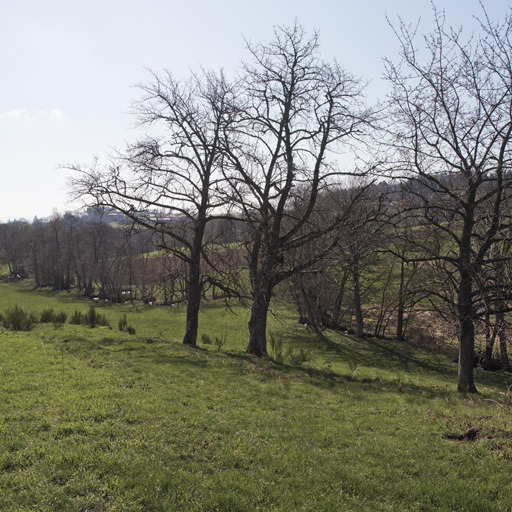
[{"x": 97, "y": 419}]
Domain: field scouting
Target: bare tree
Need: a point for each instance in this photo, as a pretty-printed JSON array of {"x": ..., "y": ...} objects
[
  {"x": 332, "y": 292},
  {"x": 451, "y": 127},
  {"x": 295, "y": 110},
  {"x": 493, "y": 292},
  {"x": 13, "y": 246},
  {"x": 169, "y": 181},
  {"x": 408, "y": 291}
]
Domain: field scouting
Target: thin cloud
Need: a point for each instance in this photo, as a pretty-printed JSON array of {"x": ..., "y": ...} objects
[
  {"x": 16, "y": 114},
  {"x": 53, "y": 114},
  {"x": 22, "y": 113}
]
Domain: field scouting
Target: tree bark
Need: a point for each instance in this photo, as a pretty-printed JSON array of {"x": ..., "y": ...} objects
[
  {"x": 339, "y": 298},
  {"x": 465, "y": 383},
  {"x": 401, "y": 304},
  {"x": 258, "y": 325},
  {"x": 502, "y": 337},
  {"x": 193, "y": 304},
  {"x": 357, "y": 303},
  {"x": 194, "y": 287},
  {"x": 490, "y": 338}
]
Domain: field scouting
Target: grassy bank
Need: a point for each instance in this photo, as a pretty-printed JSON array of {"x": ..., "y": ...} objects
[{"x": 97, "y": 419}]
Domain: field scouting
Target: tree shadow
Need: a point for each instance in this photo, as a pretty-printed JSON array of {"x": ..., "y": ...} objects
[
  {"x": 331, "y": 381},
  {"x": 138, "y": 352},
  {"x": 389, "y": 355}
]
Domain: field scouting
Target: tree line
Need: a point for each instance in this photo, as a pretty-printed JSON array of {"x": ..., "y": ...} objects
[
  {"x": 109, "y": 257},
  {"x": 421, "y": 216},
  {"x": 101, "y": 259}
]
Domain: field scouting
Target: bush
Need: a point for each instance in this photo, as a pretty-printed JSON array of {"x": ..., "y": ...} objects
[
  {"x": 276, "y": 345},
  {"x": 220, "y": 342},
  {"x": 77, "y": 318},
  {"x": 298, "y": 356},
  {"x": 292, "y": 356},
  {"x": 206, "y": 339},
  {"x": 60, "y": 318},
  {"x": 50, "y": 316},
  {"x": 353, "y": 364},
  {"x": 47, "y": 316},
  {"x": 17, "y": 319},
  {"x": 92, "y": 318},
  {"x": 123, "y": 323}
]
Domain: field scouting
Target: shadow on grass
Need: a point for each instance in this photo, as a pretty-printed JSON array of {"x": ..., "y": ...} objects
[
  {"x": 26, "y": 288},
  {"x": 410, "y": 358},
  {"x": 269, "y": 370},
  {"x": 388, "y": 355},
  {"x": 134, "y": 352},
  {"x": 402, "y": 358},
  {"x": 403, "y": 368}
]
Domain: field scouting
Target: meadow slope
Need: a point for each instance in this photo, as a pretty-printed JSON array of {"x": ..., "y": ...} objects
[{"x": 100, "y": 420}]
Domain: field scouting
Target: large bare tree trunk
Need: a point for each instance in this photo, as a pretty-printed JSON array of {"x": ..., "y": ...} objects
[
  {"x": 194, "y": 285},
  {"x": 258, "y": 326},
  {"x": 465, "y": 383},
  {"x": 193, "y": 304}
]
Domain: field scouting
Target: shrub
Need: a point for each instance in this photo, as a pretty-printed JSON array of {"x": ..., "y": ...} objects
[
  {"x": 76, "y": 318},
  {"x": 50, "y": 316},
  {"x": 353, "y": 364},
  {"x": 102, "y": 320},
  {"x": 60, "y": 318},
  {"x": 92, "y": 318},
  {"x": 17, "y": 319},
  {"x": 298, "y": 356},
  {"x": 220, "y": 342},
  {"x": 292, "y": 356},
  {"x": 123, "y": 323},
  {"x": 206, "y": 339},
  {"x": 47, "y": 316},
  {"x": 276, "y": 345}
]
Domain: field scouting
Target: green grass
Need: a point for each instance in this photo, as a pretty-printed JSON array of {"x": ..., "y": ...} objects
[{"x": 98, "y": 420}]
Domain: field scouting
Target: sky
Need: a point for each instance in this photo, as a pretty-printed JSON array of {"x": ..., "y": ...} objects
[{"x": 69, "y": 69}]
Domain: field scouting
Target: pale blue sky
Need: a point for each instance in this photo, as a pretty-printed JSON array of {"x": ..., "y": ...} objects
[{"x": 68, "y": 67}]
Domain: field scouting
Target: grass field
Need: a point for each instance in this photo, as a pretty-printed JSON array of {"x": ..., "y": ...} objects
[{"x": 100, "y": 420}]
